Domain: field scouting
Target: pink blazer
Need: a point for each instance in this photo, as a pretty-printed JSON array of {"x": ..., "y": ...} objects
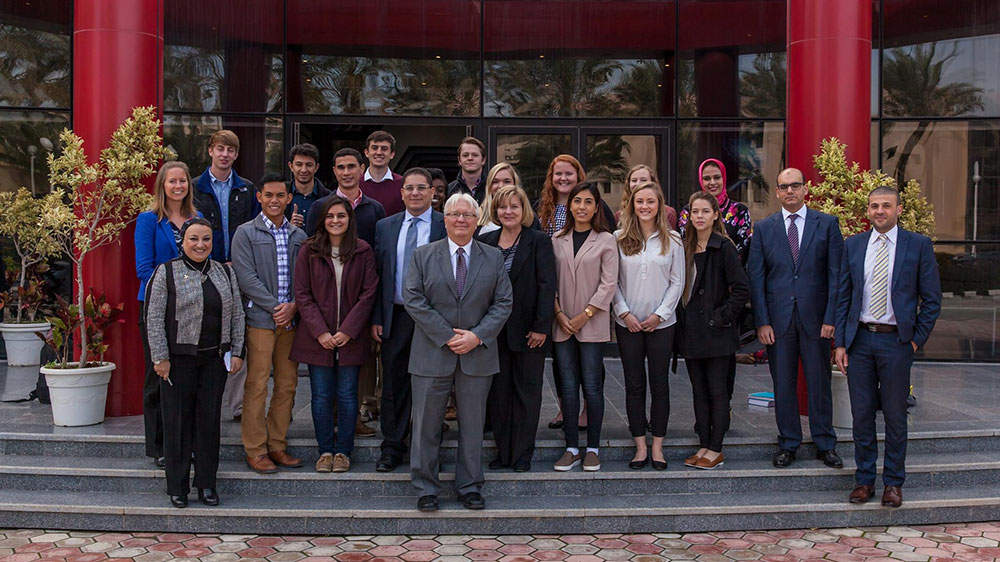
[{"x": 589, "y": 278}]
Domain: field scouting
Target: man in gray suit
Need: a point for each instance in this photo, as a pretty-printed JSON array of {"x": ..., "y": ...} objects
[{"x": 459, "y": 296}]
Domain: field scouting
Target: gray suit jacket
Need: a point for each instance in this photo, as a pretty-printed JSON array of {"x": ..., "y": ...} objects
[{"x": 432, "y": 301}]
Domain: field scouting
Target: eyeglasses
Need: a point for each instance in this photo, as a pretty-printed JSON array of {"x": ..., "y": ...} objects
[
  {"x": 412, "y": 188},
  {"x": 456, "y": 216},
  {"x": 790, "y": 186}
]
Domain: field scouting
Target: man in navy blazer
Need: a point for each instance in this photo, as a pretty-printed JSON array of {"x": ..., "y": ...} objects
[
  {"x": 794, "y": 270},
  {"x": 889, "y": 299},
  {"x": 396, "y": 237}
]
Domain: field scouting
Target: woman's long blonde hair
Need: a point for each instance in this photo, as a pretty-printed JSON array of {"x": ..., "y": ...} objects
[
  {"x": 631, "y": 240},
  {"x": 159, "y": 203},
  {"x": 486, "y": 209}
]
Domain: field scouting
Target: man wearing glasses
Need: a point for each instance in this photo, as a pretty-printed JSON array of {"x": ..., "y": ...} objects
[
  {"x": 396, "y": 238},
  {"x": 794, "y": 271}
]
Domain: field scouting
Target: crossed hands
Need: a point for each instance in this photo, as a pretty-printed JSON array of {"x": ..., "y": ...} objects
[
  {"x": 463, "y": 341},
  {"x": 634, "y": 325}
]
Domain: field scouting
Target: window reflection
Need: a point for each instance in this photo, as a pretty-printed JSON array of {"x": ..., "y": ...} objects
[
  {"x": 531, "y": 155},
  {"x": 261, "y": 142},
  {"x": 35, "y": 58},
  {"x": 970, "y": 308},
  {"x": 26, "y": 140},
  {"x": 610, "y": 157}
]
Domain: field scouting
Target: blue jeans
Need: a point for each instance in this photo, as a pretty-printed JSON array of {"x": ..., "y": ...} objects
[
  {"x": 581, "y": 363},
  {"x": 324, "y": 382}
]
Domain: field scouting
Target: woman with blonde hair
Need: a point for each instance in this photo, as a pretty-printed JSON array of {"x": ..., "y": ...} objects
[
  {"x": 500, "y": 175},
  {"x": 640, "y": 174},
  {"x": 650, "y": 283}
]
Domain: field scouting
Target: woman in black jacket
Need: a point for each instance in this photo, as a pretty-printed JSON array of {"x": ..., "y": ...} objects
[
  {"x": 516, "y": 395},
  {"x": 715, "y": 292}
]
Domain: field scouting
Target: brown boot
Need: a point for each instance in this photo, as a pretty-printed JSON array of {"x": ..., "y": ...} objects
[
  {"x": 282, "y": 458},
  {"x": 261, "y": 465}
]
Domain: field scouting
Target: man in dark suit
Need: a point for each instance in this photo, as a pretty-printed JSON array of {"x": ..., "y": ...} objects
[
  {"x": 459, "y": 296},
  {"x": 889, "y": 299},
  {"x": 396, "y": 238},
  {"x": 793, "y": 267}
]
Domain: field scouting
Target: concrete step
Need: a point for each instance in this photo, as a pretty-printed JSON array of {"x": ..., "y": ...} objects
[
  {"x": 118, "y": 475},
  {"x": 640, "y": 512}
]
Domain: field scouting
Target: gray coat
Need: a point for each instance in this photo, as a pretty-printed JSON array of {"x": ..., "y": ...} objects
[
  {"x": 177, "y": 332},
  {"x": 431, "y": 300},
  {"x": 255, "y": 260}
]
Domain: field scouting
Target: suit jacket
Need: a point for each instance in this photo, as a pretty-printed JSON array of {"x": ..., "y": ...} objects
[
  {"x": 154, "y": 244},
  {"x": 386, "y": 238},
  {"x": 432, "y": 301},
  {"x": 588, "y": 278},
  {"x": 533, "y": 281},
  {"x": 915, "y": 288},
  {"x": 777, "y": 285}
]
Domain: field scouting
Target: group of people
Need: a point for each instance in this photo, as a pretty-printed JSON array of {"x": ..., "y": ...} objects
[{"x": 457, "y": 294}]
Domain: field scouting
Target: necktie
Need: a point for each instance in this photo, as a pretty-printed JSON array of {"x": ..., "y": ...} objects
[
  {"x": 460, "y": 271},
  {"x": 411, "y": 243},
  {"x": 793, "y": 238},
  {"x": 880, "y": 279}
]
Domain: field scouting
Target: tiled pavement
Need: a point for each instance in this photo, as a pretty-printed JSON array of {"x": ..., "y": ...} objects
[{"x": 973, "y": 541}]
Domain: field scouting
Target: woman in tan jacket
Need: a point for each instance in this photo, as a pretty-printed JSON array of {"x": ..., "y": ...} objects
[{"x": 587, "y": 266}]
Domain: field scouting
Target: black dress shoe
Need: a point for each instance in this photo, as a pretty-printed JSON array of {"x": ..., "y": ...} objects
[
  {"x": 830, "y": 458},
  {"x": 208, "y": 496},
  {"x": 179, "y": 501},
  {"x": 522, "y": 466},
  {"x": 556, "y": 424},
  {"x": 472, "y": 500},
  {"x": 386, "y": 464},
  {"x": 496, "y": 464},
  {"x": 638, "y": 465},
  {"x": 660, "y": 465},
  {"x": 160, "y": 462},
  {"x": 427, "y": 503},
  {"x": 783, "y": 458}
]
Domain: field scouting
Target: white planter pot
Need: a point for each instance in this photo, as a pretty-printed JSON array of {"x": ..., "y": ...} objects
[
  {"x": 23, "y": 346},
  {"x": 78, "y": 395},
  {"x": 18, "y": 383},
  {"x": 842, "y": 417}
]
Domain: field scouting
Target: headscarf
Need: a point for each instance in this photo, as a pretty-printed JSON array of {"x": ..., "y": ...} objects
[{"x": 723, "y": 195}]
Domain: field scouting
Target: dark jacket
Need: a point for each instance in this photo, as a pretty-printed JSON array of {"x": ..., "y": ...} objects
[
  {"x": 366, "y": 214},
  {"x": 316, "y": 298},
  {"x": 533, "y": 281},
  {"x": 304, "y": 203},
  {"x": 710, "y": 318},
  {"x": 477, "y": 191},
  {"x": 243, "y": 206}
]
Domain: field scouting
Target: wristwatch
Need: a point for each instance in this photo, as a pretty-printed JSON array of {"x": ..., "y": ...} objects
[{"x": 589, "y": 312}]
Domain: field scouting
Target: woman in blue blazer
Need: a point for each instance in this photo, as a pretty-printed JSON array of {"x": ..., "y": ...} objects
[{"x": 157, "y": 239}]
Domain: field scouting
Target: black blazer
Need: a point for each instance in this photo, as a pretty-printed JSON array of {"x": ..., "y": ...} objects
[
  {"x": 533, "y": 280},
  {"x": 711, "y": 317}
]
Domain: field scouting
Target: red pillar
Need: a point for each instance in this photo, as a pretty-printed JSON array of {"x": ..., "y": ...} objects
[
  {"x": 829, "y": 79},
  {"x": 117, "y": 65}
]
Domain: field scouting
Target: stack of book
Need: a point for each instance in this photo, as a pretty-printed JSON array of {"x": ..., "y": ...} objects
[{"x": 762, "y": 399}]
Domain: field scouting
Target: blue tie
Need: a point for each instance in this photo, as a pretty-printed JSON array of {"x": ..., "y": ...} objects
[{"x": 411, "y": 244}]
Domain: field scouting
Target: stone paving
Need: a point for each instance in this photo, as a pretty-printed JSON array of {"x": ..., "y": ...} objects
[{"x": 971, "y": 541}]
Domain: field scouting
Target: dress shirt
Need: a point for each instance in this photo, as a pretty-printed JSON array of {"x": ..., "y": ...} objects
[
  {"x": 355, "y": 201},
  {"x": 873, "y": 244},
  {"x": 386, "y": 177},
  {"x": 650, "y": 282},
  {"x": 280, "y": 234},
  {"x": 222, "y": 189},
  {"x": 452, "y": 251},
  {"x": 800, "y": 222},
  {"x": 423, "y": 237}
]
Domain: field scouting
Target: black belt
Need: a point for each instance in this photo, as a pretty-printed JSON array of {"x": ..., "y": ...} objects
[{"x": 878, "y": 328}]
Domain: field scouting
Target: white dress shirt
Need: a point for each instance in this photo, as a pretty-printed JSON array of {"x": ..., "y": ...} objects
[
  {"x": 386, "y": 177},
  {"x": 650, "y": 282},
  {"x": 800, "y": 222},
  {"x": 423, "y": 237},
  {"x": 453, "y": 252},
  {"x": 866, "y": 294}
]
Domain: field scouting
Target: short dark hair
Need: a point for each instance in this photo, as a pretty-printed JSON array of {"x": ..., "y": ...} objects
[
  {"x": 272, "y": 177},
  {"x": 381, "y": 136},
  {"x": 437, "y": 174},
  {"x": 348, "y": 152},
  {"x": 473, "y": 141},
  {"x": 885, "y": 190},
  {"x": 304, "y": 149},
  {"x": 417, "y": 171}
]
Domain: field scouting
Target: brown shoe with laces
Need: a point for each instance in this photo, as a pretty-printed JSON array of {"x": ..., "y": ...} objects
[
  {"x": 261, "y": 465},
  {"x": 341, "y": 463},
  {"x": 282, "y": 458}
]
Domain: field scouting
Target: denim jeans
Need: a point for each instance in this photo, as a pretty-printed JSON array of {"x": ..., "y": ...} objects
[
  {"x": 581, "y": 363},
  {"x": 327, "y": 384}
]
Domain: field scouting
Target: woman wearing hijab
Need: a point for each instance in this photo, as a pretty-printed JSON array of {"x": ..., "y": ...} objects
[{"x": 735, "y": 215}]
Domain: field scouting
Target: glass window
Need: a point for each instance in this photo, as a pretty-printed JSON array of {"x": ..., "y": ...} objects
[
  {"x": 753, "y": 153},
  {"x": 383, "y": 57},
  {"x": 35, "y": 58},
  {"x": 26, "y": 140},
  {"x": 219, "y": 58},
  {"x": 582, "y": 58},
  {"x": 610, "y": 157},
  {"x": 731, "y": 58},
  {"x": 958, "y": 166},
  {"x": 940, "y": 58},
  {"x": 261, "y": 142},
  {"x": 531, "y": 155}
]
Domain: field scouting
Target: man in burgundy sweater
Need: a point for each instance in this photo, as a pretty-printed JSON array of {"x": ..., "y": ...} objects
[{"x": 380, "y": 183}]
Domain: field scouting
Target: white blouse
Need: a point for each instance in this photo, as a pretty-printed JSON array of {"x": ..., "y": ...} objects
[{"x": 650, "y": 282}]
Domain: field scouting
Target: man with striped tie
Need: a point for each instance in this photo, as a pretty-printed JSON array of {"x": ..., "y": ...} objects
[{"x": 889, "y": 299}]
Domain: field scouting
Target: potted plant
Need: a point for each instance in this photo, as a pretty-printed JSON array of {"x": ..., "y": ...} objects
[
  {"x": 21, "y": 223},
  {"x": 843, "y": 193},
  {"x": 99, "y": 201}
]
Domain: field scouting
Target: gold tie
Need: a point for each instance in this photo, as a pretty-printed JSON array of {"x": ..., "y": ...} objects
[{"x": 880, "y": 279}]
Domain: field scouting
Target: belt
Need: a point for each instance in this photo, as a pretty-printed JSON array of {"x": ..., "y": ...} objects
[{"x": 878, "y": 328}]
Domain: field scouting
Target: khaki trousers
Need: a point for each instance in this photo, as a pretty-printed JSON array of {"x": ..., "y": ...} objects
[{"x": 266, "y": 431}]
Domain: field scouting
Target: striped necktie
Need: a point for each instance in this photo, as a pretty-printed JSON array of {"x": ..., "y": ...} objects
[{"x": 880, "y": 279}]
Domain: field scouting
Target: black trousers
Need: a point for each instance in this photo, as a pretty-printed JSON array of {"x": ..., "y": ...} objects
[
  {"x": 191, "y": 408},
  {"x": 151, "y": 415},
  {"x": 635, "y": 350},
  {"x": 515, "y": 402},
  {"x": 397, "y": 399},
  {"x": 711, "y": 399}
]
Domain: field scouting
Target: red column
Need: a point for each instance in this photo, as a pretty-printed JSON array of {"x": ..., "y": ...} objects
[
  {"x": 117, "y": 65},
  {"x": 829, "y": 79}
]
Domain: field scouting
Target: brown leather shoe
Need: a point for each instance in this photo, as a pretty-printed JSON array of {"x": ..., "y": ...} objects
[
  {"x": 282, "y": 458},
  {"x": 261, "y": 465},
  {"x": 861, "y": 493},
  {"x": 692, "y": 461},
  {"x": 362, "y": 430},
  {"x": 892, "y": 496}
]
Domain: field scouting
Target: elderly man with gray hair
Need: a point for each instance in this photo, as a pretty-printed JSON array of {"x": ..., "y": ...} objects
[{"x": 459, "y": 296}]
